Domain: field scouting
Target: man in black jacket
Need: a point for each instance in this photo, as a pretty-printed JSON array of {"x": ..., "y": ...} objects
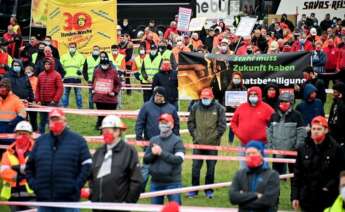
[
  {"x": 116, "y": 173},
  {"x": 167, "y": 78},
  {"x": 316, "y": 175},
  {"x": 336, "y": 118},
  {"x": 311, "y": 77},
  {"x": 59, "y": 164},
  {"x": 255, "y": 188}
]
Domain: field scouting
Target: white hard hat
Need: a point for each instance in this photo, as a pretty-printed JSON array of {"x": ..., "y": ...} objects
[
  {"x": 23, "y": 126},
  {"x": 112, "y": 121},
  {"x": 313, "y": 31},
  {"x": 118, "y": 27}
]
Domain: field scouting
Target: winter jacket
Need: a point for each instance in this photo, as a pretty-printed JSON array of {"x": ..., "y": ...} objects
[
  {"x": 332, "y": 57},
  {"x": 166, "y": 167},
  {"x": 316, "y": 174},
  {"x": 319, "y": 59},
  {"x": 248, "y": 182},
  {"x": 123, "y": 184},
  {"x": 39, "y": 67},
  {"x": 58, "y": 167},
  {"x": 207, "y": 124},
  {"x": 308, "y": 109},
  {"x": 110, "y": 76},
  {"x": 20, "y": 85},
  {"x": 320, "y": 86},
  {"x": 336, "y": 120},
  {"x": 168, "y": 80},
  {"x": 273, "y": 102},
  {"x": 49, "y": 87},
  {"x": 341, "y": 57},
  {"x": 147, "y": 121},
  {"x": 286, "y": 131},
  {"x": 299, "y": 46},
  {"x": 250, "y": 122}
]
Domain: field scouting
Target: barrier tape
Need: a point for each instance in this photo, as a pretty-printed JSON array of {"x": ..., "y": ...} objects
[
  {"x": 122, "y": 88},
  {"x": 113, "y": 206},
  {"x": 195, "y": 188},
  {"x": 136, "y": 207},
  {"x": 99, "y": 140},
  {"x": 93, "y": 112}
]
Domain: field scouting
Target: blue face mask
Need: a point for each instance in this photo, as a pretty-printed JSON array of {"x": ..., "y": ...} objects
[
  {"x": 17, "y": 69},
  {"x": 206, "y": 102}
]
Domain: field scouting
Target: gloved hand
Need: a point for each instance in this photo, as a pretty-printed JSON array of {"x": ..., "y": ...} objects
[{"x": 79, "y": 72}]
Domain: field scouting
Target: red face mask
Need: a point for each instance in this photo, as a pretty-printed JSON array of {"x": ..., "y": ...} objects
[
  {"x": 22, "y": 146},
  {"x": 165, "y": 67},
  {"x": 284, "y": 106},
  {"x": 319, "y": 139},
  {"x": 57, "y": 127},
  {"x": 108, "y": 137},
  {"x": 271, "y": 94},
  {"x": 253, "y": 161}
]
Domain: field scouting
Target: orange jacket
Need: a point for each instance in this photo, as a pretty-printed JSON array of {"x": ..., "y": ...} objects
[
  {"x": 11, "y": 107},
  {"x": 33, "y": 82},
  {"x": 7, "y": 173}
]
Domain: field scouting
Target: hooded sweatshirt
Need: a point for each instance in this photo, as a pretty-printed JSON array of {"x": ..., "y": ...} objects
[
  {"x": 273, "y": 102},
  {"x": 310, "y": 109},
  {"x": 250, "y": 122}
]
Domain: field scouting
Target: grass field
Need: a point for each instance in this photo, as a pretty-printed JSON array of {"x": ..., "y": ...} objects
[{"x": 225, "y": 170}]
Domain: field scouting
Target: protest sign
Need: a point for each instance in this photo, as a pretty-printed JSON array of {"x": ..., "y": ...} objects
[
  {"x": 184, "y": 15},
  {"x": 245, "y": 26},
  {"x": 235, "y": 98}
]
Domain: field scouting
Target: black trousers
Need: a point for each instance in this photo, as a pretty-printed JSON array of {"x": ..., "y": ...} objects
[
  {"x": 104, "y": 106},
  {"x": 281, "y": 167},
  {"x": 33, "y": 120},
  {"x": 197, "y": 165},
  {"x": 147, "y": 95}
]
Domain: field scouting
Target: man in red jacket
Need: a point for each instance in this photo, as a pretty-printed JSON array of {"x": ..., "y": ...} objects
[
  {"x": 251, "y": 119},
  {"x": 49, "y": 90},
  {"x": 332, "y": 53}
]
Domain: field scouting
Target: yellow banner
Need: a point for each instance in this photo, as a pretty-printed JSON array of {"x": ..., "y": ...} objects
[
  {"x": 39, "y": 11},
  {"x": 85, "y": 23}
]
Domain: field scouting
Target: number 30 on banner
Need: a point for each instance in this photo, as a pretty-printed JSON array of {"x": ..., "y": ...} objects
[{"x": 79, "y": 21}]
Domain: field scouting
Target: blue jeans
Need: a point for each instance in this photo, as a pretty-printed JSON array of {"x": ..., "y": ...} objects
[
  {"x": 164, "y": 186},
  {"x": 50, "y": 209},
  {"x": 90, "y": 99},
  {"x": 78, "y": 97},
  {"x": 145, "y": 173}
]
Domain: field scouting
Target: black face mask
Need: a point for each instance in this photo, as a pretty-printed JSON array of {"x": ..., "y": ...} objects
[
  {"x": 162, "y": 48},
  {"x": 249, "y": 51}
]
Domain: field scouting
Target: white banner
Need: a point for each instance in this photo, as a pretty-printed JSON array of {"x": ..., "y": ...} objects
[
  {"x": 196, "y": 24},
  {"x": 245, "y": 26},
  {"x": 335, "y": 8},
  {"x": 235, "y": 98},
  {"x": 184, "y": 15}
]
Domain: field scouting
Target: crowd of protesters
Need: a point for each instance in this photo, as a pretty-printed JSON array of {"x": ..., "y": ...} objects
[{"x": 57, "y": 165}]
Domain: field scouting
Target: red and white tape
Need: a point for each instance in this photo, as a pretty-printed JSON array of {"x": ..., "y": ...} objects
[
  {"x": 99, "y": 140},
  {"x": 122, "y": 88}
]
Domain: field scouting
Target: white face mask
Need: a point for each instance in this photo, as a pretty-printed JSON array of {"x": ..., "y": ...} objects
[
  {"x": 236, "y": 81},
  {"x": 29, "y": 74},
  {"x": 253, "y": 100},
  {"x": 142, "y": 51},
  {"x": 104, "y": 67},
  {"x": 153, "y": 52},
  {"x": 72, "y": 50},
  {"x": 115, "y": 51},
  {"x": 342, "y": 193}
]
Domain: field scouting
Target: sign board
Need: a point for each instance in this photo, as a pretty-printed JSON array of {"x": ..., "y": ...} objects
[
  {"x": 197, "y": 71},
  {"x": 217, "y": 9},
  {"x": 245, "y": 26},
  {"x": 320, "y": 8},
  {"x": 86, "y": 24},
  {"x": 104, "y": 86},
  {"x": 196, "y": 24},
  {"x": 184, "y": 15},
  {"x": 235, "y": 98}
]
